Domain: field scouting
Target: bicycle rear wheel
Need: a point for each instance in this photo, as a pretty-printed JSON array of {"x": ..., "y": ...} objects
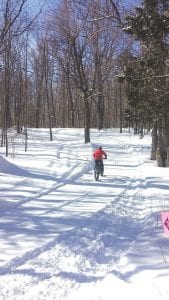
[{"x": 96, "y": 173}]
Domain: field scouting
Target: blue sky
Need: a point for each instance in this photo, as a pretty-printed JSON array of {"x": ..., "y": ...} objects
[{"x": 36, "y": 4}]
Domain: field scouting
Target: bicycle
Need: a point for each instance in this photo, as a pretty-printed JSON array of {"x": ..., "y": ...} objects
[{"x": 98, "y": 169}]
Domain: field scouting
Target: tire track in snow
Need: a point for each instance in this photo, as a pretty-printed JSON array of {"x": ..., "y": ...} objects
[{"x": 123, "y": 206}]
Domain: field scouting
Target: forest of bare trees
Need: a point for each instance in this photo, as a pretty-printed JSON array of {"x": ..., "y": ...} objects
[
  {"x": 82, "y": 64},
  {"x": 59, "y": 69}
]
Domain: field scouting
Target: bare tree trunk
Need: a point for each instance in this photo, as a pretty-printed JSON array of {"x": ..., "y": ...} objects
[
  {"x": 165, "y": 136},
  {"x": 39, "y": 101},
  {"x": 26, "y": 94},
  {"x": 100, "y": 109},
  {"x": 71, "y": 103},
  {"x": 154, "y": 145},
  {"x": 87, "y": 121},
  {"x": 120, "y": 107},
  {"x": 161, "y": 151},
  {"x": 52, "y": 104},
  {"x": 49, "y": 108},
  {"x": 7, "y": 94}
]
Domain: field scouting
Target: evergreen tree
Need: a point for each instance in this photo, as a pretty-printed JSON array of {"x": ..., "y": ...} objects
[{"x": 150, "y": 26}]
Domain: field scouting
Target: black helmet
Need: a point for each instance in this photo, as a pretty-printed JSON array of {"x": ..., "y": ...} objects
[{"x": 100, "y": 148}]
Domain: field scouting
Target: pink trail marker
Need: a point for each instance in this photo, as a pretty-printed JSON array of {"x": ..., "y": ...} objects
[{"x": 165, "y": 221}]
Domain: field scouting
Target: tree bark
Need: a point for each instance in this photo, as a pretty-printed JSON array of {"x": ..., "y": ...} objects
[
  {"x": 154, "y": 145},
  {"x": 87, "y": 121}
]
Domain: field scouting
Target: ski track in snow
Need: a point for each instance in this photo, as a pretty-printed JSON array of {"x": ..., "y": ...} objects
[{"x": 89, "y": 249}]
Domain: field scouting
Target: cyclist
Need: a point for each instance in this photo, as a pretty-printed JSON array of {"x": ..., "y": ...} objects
[{"x": 98, "y": 156}]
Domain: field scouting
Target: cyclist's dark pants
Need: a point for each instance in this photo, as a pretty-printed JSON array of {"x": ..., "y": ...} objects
[{"x": 102, "y": 165}]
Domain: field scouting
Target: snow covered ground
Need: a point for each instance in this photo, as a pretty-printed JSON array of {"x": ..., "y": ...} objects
[{"x": 64, "y": 236}]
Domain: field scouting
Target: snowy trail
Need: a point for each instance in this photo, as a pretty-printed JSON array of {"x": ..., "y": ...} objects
[
  {"x": 75, "y": 230},
  {"x": 47, "y": 205}
]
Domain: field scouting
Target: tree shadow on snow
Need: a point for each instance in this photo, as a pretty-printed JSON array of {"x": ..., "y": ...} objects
[{"x": 9, "y": 168}]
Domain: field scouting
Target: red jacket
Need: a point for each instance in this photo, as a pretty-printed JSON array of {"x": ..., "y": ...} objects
[{"x": 99, "y": 154}]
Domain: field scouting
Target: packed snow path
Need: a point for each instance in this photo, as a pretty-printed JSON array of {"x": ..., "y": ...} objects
[{"x": 61, "y": 230}]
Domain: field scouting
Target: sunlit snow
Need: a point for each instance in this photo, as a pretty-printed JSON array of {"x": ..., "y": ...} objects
[{"x": 65, "y": 236}]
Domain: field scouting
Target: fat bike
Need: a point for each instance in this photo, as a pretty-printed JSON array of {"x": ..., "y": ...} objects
[{"x": 98, "y": 169}]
